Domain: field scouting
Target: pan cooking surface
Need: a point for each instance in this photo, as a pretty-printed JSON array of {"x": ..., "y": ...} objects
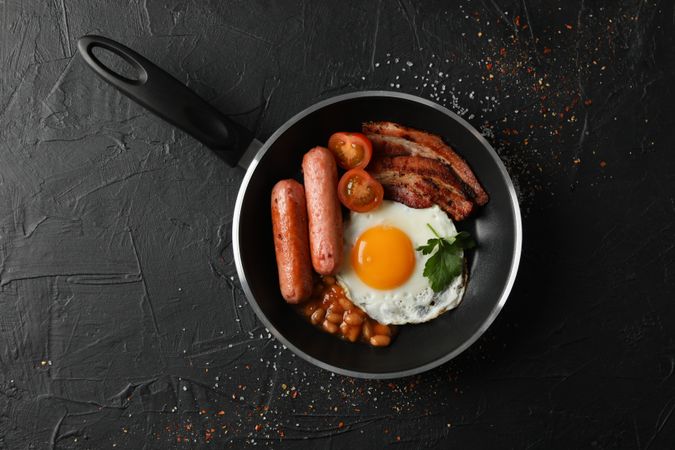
[{"x": 492, "y": 266}]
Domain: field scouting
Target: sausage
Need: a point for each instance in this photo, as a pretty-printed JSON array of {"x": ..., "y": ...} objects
[
  {"x": 323, "y": 210},
  {"x": 291, "y": 241}
]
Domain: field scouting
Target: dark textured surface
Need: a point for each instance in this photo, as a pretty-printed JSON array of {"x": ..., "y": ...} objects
[{"x": 122, "y": 323}]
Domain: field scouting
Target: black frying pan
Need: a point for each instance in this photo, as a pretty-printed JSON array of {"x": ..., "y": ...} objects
[{"x": 417, "y": 348}]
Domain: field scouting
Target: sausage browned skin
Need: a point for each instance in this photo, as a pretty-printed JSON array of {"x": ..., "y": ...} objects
[
  {"x": 323, "y": 210},
  {"x": 291, "y": 242}
]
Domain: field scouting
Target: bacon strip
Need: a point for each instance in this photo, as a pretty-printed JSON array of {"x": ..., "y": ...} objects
[
  {"x": 421, "y": 182},
  {"x": 397, "y": 146},
  {"x": 394, "y": 139}
]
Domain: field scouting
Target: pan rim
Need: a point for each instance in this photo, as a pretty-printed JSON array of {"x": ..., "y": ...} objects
[{"x": 506, "y": 290}]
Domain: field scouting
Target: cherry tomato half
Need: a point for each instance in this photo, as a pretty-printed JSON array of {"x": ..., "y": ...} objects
[
  {"x": 360, "y": 192},
  {"x": 351, "y": 150}
]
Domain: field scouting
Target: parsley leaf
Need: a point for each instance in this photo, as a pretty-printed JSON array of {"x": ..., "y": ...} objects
[
  {"x": 464, "y": 240},
  {"x": 431, "y": 245},
  {"x": 447, "y": 263}
]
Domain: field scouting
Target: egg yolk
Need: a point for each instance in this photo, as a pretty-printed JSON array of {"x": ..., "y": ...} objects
[{"x": 383, "y": 257}]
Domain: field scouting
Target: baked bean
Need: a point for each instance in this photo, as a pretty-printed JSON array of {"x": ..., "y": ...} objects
[
  {"x": 335, "y": 300},
  {"x": 368, "y": 330},
  {"x": 334, "y": 317},
  {"x": 345, "y": 303},
  {"x": 380, "y": 340},
  {"x": 330, "y": 309},
  {"x": 382, "y": 329},
  {"x": 344, "y": 329},
  {"x": 317, "y": 316},
  {"x": 335, "y": 308},
  {"x": 353, "y": 319},
  {"x": 330, "y": 327},
  {"x": 310, "y": 308},
  {"x": 352, "y": 333}
]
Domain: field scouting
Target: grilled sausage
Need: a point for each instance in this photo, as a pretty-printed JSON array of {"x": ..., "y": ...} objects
[
  {"x": 291, "y": 242},
  {"x": 323, "y": 210}
]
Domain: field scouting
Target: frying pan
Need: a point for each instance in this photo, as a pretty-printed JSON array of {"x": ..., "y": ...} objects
[{"x": 417, "y": 348}]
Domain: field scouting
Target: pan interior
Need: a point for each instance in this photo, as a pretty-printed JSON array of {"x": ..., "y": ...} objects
[{"x": 492, "y": 265}]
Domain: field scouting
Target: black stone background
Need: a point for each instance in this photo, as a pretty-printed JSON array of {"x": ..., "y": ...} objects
[{"x": 122, "y": 323}]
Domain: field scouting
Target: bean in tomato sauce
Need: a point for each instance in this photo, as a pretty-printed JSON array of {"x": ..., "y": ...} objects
[{"x": 330, "y": 310}]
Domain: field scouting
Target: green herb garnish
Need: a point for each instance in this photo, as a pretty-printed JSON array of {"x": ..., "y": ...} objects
[{"x": 447, "y": 263}]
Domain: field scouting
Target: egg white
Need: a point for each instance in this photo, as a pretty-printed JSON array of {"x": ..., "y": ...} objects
[{"x": 414, "y": 301}]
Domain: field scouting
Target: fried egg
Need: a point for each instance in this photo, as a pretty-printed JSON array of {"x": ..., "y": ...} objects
[{"x": 382, "y": 272}]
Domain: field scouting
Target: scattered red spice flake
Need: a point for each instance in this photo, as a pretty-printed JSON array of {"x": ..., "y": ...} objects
[
  {"x": 341, "y": 424},
  {"x": 488, "y": 66},
  {"x": 221, "y": 413},
  {"x": 547, "y": 50},
  {"x": 502, "y": 51},
  {"x": 208, "y": 434},
  {"x": 588, "y": 102},
  {"x": 398, "y": 438},
  {"x": 517, "y": 21},
  {"x": 603, "y": 164},
  {"x": 294, "y": 394},
  {"x": 576, "y": 161},
  {"x": 258, "y": 427},
  {"x": 281, "y": 433},
  {"x": 568, "y": 26}
]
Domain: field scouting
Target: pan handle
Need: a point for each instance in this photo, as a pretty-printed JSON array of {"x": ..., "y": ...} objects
[{"x": 168, "y": 98}]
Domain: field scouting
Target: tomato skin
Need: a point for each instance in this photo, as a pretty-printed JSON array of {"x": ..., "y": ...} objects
[
  {"x": 359, "y": 191},
  {"x": 351, "y": 150}
]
